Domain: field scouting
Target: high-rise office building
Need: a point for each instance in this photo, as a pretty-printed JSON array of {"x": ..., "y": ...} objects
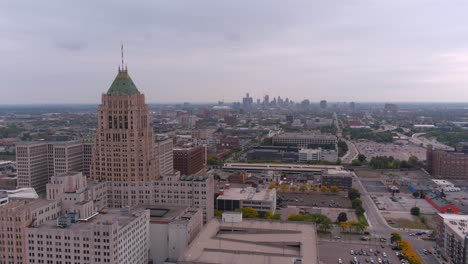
[
  {"x": 247, "y": 102},
  {"x": 323, "y": 104},
  {"x": 190, "y": 160},
  {"x": 124, "y": 146},
  {"x": 38, "y": 161}
]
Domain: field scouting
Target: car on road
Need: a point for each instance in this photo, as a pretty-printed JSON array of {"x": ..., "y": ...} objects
[
  {"x": 425, "y": 251},
  {"x": 340, "y": 261},
  {"x": 352, "y": 252},
  {"x": 336, "y": 237}
]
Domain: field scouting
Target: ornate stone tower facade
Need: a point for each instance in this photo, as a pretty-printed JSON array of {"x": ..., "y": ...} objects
[{"x": 124, "y": 150}]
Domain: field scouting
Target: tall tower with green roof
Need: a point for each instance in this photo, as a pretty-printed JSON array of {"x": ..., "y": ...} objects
[{"x": 124, "y": 149}]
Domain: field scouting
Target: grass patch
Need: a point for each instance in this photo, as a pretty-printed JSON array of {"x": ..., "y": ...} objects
[
  {"x": 415, "y": 223},
  {"x": 362, "y": 219}
]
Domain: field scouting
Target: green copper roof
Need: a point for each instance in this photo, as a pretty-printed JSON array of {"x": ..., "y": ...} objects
[{"x": 123, "y": 85}]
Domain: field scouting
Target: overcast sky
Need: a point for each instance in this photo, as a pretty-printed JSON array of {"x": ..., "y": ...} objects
[{"x": 60, "y": 51}]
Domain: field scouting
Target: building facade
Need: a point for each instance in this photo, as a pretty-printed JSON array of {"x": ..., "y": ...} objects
[
  {"x": 38, "y": 161},
  {"x": 447, "y": 164},
  {"x": 452, "y": 237},
  {"x": 304, "y": 139},
  {"x": 190, "y": 160},
  {"x": 124, "y": 143}
]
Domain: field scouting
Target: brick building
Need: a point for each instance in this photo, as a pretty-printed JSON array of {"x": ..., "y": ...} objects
[
  {"x": 448, "y": 164},
  {"x": 190, "y": 160}
]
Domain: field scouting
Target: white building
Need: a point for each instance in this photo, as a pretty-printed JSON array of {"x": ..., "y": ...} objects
[
  {"x": 231, "y": 199},
  {"x": 452, "y": 237},
  {"x": 171, "y": 231}
]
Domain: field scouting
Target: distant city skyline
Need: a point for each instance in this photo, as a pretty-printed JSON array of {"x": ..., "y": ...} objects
[{"x": 209, "y": 51}]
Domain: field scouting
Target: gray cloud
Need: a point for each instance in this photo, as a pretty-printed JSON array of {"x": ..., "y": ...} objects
[{"x": 206, "y": 50}]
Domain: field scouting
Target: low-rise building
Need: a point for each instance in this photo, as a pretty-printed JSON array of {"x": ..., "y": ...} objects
[
  {"x": 341, "y": 178},
  {"x": 437, "y": 200},
  {"x": 452, "y": 237},
  {"x": 304, "y": 139},
  {"x": 253, "y": 241},
  {"x": 231, "y": 199}
]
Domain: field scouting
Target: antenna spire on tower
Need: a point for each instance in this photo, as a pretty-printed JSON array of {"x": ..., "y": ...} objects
[{"x": 121, "y": 47}]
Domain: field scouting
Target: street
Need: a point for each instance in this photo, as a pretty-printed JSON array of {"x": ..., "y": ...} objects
[{"x": 378, "y": 227}]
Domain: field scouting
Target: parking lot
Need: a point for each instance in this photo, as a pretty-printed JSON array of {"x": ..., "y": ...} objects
[
  {"x": 313, "y": 199},
  {"x": 402, "y": 202},
  {"x": 329, "y": 252},
  {"x": 398, "y": 151}
]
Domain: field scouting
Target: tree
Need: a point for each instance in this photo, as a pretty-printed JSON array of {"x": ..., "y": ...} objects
[
  {"x": 395, "y": 237},
  {"x": 314, "y": 188},
  {"x": 303, "y": 187},
  {"x": 293, "y": 188},
  {"x": 296, "y": 217},
  {"x": 334, "y": 189},
  {"x": 218, "y": 213},
  {"x": 344, "y": 226},
  {"x": 356, "y": 203},
  {"x": 356, "y": 162},
  {"x": 276, "y": 216},
  {"x": 353, "y": 194},
  {"x": 342, "y": 217},
  {"x": 248, "y": 212},
  {"x": 324, "y": 189},
  {"x": 268, "y": 215},
  {"x": 360, "y": 210},
  {"x": 415, "y": 211},
  {"x": 416, "y": 194},
  {"x": 362, "y": 158},
  {"x": 423, "y": 219},
  {"x": 413, "y": 161},
  {"x": 284, "y": 187},
  {"x": 272, "y": 185}
]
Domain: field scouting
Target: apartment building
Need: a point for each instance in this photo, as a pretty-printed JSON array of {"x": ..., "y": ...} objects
[
  {"x": 452, "y": 237},
  {"x": 112, "y": 236}
]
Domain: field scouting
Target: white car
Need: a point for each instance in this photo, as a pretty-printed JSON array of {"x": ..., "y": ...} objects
[
  {"x": 352, "y": 252},
  {"x": 384, "y": 255},
  {"x": 340, "y": 261}
]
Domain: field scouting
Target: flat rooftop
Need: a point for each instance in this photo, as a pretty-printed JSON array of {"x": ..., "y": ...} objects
[
  {"x": 108, "y": 216},
  {"x": 253, "y": 241},
  {"x": 248, "y": 193},
  {"x": 458, "y": 224},
  {"x": 161, "y": 213}
]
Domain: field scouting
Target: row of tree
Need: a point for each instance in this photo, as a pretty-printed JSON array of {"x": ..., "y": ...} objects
[
  {"x": 324, "y": 224},
  {"x": 389, "y": 162},
  {"x": 406, "y": 248},
  {"x": 354, "y": 195},
  {"x": 303, "y": 188}
]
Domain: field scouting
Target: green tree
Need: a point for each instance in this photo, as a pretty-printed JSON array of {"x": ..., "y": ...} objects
[
  {"x": 395, "y": 237},
  {"x": 360, "y": 210},
  {"x": 248, "y": 212},
  {"x": 356, "y": 203},
  {"x": 276, "y": 216},
  {"x": 218, "y": 213},
  {"x": 342, "y": 217},
  {"x": 268, "y": 215},
  {"x": 353, "y": 194},
  {"x": 415, "y": 211},
  {"x": 362, "y": 158},
  {"x": 296, "y": 217},
  {"x": 356, "y": 162}
]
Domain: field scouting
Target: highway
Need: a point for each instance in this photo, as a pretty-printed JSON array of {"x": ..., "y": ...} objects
[
  {"x": 351, "y": 154},
  {"x": 378, "y": 227}
]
